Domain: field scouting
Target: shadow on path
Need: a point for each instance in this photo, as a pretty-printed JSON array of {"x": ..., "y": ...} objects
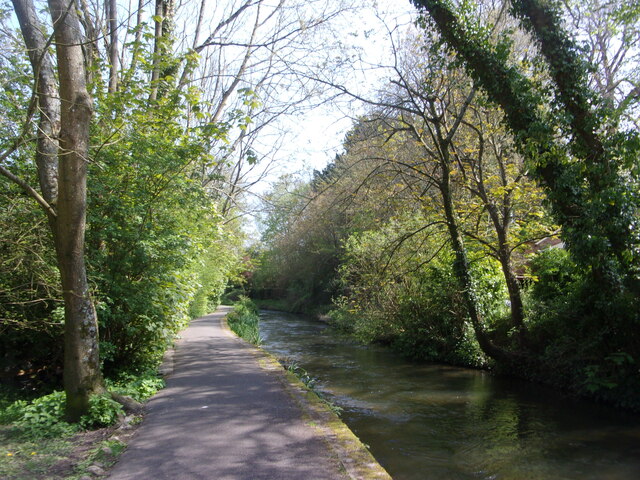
[{"x": 222, "y": 417}]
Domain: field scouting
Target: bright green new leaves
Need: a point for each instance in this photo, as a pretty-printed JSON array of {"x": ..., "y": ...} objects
[
  {"x": 156, "y": 239},
  {"x": 158, "y": 250}
]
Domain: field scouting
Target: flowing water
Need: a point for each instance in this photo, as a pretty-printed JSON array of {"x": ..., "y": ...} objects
[{"x": 429, "y": 421}]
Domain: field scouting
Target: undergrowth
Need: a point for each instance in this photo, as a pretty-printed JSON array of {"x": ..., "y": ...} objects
[
  {"x": 243, "y": 320},
  {"x": 35, "y": 437}
]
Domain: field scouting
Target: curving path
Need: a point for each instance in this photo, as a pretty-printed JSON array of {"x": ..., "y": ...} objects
[{"x": 223, "y": 417}]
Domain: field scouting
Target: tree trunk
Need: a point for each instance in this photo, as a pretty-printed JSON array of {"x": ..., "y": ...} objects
[
  {"x": 569, "y": 73},
  {"x": 504, "y": 257},
  {"x": 112, "y": 18},
  {"x": 515, "y": 295},
  {"x": 48, "y": 101},
  {"x": 82, "y": 376},
  {"x": 461, "y": 267},
  {"x": 157, "y": 49}
]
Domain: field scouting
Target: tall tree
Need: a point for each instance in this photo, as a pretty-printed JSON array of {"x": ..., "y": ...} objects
[
  {"x": 64, "y": 191},
  {"x": 82, "y": 376},
  {"x": 434, "y": 107},
  {"x": 112, "y": 20},
  {"x": 48, "y": 103},
  {"x": 584, "y": 177}
]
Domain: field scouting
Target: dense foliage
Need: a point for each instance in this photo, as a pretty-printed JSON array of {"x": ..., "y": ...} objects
[
  {"x": 158, "y": 248},
  {"x": 243, "y": 320},
  {"x": 478, "y": 215},
  {"x": 484, "y": 211},
  {"x": 43, "y": 417}
]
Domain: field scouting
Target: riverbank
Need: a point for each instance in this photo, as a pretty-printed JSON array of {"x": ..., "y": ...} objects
[
  {"x": 319, "y": 312},
  {"x": 426, "y": 420}
]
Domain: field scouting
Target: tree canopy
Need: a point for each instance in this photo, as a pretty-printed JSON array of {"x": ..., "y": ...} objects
[
  {"x": 487, "y": 202},
  {"x": 483, "y": 210}
]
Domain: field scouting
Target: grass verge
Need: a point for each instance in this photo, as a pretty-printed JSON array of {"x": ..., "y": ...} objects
[{"x": 243, "y": 320}]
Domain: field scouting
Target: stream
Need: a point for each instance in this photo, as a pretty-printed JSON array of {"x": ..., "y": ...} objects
[{"x": 431, "y": 421}]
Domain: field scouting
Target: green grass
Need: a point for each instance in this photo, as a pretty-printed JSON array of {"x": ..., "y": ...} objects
[
  {"x": 243, "y": 320},
  {"x": 23, "y": 456},
  {"x": 27, "y": 457}
]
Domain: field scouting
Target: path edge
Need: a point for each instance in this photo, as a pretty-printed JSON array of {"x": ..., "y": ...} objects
[{"x": 353, "y": 455}]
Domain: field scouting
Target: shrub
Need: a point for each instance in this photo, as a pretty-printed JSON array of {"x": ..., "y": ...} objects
[
  {"x": 587, "y": 340},
  {"x": 44, "y": 416},
  {"x": 555, "y": 275},
  {"x": 420, "y": 311},
  {"x": 41, "y": 418},
  {"x": 140, "y": 386},
  {"x": 433, "y": 320},
  {"x": 244, "y": 320},
  {"x": 103, "y": 411}
]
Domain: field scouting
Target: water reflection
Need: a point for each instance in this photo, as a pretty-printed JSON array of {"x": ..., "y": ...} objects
[{"x": 438, "y": 422}]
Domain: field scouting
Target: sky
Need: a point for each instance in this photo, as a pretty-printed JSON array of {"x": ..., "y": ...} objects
[{"x": 315, "y": 137}]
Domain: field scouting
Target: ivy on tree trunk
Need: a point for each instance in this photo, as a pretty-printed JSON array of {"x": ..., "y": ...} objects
[{"x": 583, "y": 179}]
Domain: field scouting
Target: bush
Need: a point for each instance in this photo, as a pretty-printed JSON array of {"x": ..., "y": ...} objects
[
  {"x": 555, "y": 275},
  {"x": 422, "y": 316},
  {"x": 140, "y": 386},
  {"x": 103, "y": 411},
  {"x": 433, "y": 320},
  {"x": 243, "y": 320},
  {"x": 340, "y": 318},
  {"x": 44, "y": 416},
  {"x": 41, "y": 418},
  {"x": 157, "y": 250},
  {"x": 587, "y": 340},
  {"x": 246, "y": 304},
  {"x": 419, "y": 312}
]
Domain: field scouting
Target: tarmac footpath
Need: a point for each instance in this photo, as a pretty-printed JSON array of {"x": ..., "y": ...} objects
[{"x": 224, "y": 416}]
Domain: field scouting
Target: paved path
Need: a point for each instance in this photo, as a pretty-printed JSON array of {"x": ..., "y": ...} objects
[{"x": 223, "y": 417}]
